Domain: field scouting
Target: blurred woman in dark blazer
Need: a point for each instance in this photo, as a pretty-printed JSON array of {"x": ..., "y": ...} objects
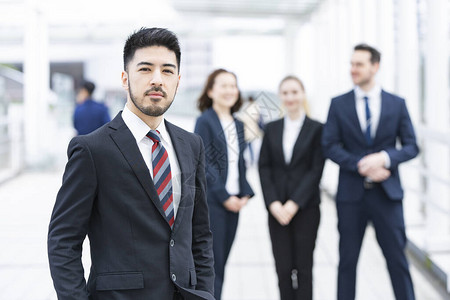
[
  {"x": 227, "y": 187},
  {"x": 290, "y": 168}
]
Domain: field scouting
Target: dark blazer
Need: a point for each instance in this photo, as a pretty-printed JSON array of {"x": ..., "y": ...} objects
[
  {"x": 299, "y": 180},
  {"x": 89, "y": 116},
  {"x": 209, "y": 128},
  {"x": 344, "y": 143},
  {"x": 108, "y": 194}
]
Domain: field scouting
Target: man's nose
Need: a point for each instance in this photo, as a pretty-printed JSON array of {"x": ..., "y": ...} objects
[{"x": 157, "y": 78}]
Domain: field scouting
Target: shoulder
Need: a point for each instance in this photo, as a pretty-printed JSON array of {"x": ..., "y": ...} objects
[
  {"x": 392, "y": 97},
  {"x": 344, "y": 97},
  {"x": 273, "y": 125},
  {"x": 238, "y": 122},
  {"x": 273, "y": 128},
  {"x": 205, "y": 117},
  {"x": 313, "y": 123},
  {"x": 178, "y": 132}
]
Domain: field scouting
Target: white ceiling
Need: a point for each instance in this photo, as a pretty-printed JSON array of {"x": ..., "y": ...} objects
[{"x": 106, "y": 20}]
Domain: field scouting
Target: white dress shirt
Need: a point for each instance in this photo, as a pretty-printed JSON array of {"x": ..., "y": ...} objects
[
  {"x": 374, "y": 96},
  {"x": 231, "y": 137},
  {"x": 139, "y": 130},
  {"x": 291, "y": 131}
]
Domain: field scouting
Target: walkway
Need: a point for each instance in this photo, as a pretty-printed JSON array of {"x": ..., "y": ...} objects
[{"x": 26, "y": 203}]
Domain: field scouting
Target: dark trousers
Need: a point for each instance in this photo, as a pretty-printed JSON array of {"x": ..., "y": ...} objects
[
  {"x": 293, "y": 247},
  {"x": 223, "y": 227},
  {"x": 387, "y": 218},
  {"x": 177, "y": 295}
]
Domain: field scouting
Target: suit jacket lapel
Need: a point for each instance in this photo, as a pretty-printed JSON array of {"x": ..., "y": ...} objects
[
  {"x": 184, "y": 161},
  {"x": 353, "y": 117},
  {"x": 126, "y": 143},
  {"x": 218, "y": 128},
  {"x": 299, "y": 146},
  {"x": 279, "y": 138},
  {"x": 383, "y": 114}
]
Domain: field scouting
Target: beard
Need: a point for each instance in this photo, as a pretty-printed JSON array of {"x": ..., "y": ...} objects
[{"x": 153, "y": 110}]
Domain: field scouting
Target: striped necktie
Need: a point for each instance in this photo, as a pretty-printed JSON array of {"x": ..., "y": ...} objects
[
  {"x": 162, "y": 176},
  {"x": 368, "y": 122}
]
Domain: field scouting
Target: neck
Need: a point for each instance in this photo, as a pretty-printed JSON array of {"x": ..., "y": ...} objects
[
  {"x": 222, "y": 112},
  {"x": 366, "y": 87},
  {"x": 294, "y": 115},
  {"x": 152, "y": 122}
]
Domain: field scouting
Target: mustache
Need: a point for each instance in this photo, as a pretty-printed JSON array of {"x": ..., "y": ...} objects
[{"x": 155, "y": 89}]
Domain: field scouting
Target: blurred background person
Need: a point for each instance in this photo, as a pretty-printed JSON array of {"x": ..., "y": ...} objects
[
  {"x": 361, "y": 136},
  {"x": 227, "y": 188},
  {"x": 290, "y": 168},
  {"x": 89, "y": 114}
]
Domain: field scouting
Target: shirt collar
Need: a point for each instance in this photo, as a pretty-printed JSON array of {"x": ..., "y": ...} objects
[
  {"x": 138, "y": 127},
  {"x": 374, "y": 92}
]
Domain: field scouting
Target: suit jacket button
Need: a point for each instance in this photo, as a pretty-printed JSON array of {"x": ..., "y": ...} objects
[
  {"x": 172, "y": 243},
  {"x": 174, "y": 277}
]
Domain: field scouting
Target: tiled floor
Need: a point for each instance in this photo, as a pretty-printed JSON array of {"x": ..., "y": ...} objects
[{"x": 25, "y": 206}]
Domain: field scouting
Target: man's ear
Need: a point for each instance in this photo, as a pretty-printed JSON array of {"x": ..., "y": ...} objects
[
  {"x": 125, "y": 80},
  {"x": 376, "y": 66}
]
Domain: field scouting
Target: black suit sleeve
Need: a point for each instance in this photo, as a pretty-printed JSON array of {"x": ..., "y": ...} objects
[
  {"x": 407, "y": 137},
  {"x": 309, "y": 185},
  {"x": 265, "y": 169},
  {"x": 201, "y": 234},
  {"x": 69, "y": 223}
]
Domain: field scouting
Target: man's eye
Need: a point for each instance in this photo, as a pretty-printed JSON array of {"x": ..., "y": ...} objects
[
  {"x": 168, "y": 71},
  {"x": 144, "y": 69}
]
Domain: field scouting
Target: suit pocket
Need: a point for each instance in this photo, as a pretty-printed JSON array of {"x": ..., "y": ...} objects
[
  {"x": 193, "y": 277},
  {"x": 120, "y": 281}
]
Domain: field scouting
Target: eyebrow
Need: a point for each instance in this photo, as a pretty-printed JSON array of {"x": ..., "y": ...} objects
[{"x": 145, "y": 63}]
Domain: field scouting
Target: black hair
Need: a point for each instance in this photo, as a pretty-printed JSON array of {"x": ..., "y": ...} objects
[
  {"x": 375, "y": 55},
  {"x": 147, "y": 37},
  {"x": 88, "y": 86}
]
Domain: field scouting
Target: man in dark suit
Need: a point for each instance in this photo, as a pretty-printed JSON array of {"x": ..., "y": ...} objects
[
  {"x": 136, "y": 187},
  {"x": 89, "y": 114},
  {"x": 361, "y": 136}
]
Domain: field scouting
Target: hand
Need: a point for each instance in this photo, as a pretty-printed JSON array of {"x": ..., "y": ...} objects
[
  {"x": 291, "y": 208},
  {"x": 244, "y": 200},
  {"x": 379, "y": 174},
  {"x": 371, "y": 162},
  {"x": 233, "y": 204},
  {"x": 279, "y": 212}
]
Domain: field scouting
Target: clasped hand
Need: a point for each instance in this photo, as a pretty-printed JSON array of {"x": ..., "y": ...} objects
[
  {"x": 283, "y": 213},
  {"x": 372, "y": 166},
  {"x": 235, "y": 203}
]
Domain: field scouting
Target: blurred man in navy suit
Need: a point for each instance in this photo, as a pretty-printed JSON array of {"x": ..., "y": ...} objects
[
  {"x": 89, "y": 114},
  {"x": 361, "y": 136}
]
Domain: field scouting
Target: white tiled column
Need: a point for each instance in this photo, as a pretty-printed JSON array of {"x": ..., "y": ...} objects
[
  {"x": 36, "y": 83},
  {"x": 407, "y": 86},
  {"x": 437, "y": 154}
]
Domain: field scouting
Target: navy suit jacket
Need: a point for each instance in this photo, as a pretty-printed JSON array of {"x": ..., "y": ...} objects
[
  {"x": 89, "y": 116},
  {"x": 209, "y": 128},
  {"x": 299, "y": 180},
  {"x": 108, "y": 194},
  {"x": 344, "y": 143}
]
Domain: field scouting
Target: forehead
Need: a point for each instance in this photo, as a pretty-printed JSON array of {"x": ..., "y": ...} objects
[
  {"x": 225, "y": 77},
  {"x": 361, "y": 56},
  {"x": 154, "y": 55},
  {"x": 290, "y": 84}
]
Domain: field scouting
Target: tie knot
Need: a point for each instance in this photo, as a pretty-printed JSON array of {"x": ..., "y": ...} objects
[
  {"x": 154, "y": 136},
  {"x": 366, "y": 98}
]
